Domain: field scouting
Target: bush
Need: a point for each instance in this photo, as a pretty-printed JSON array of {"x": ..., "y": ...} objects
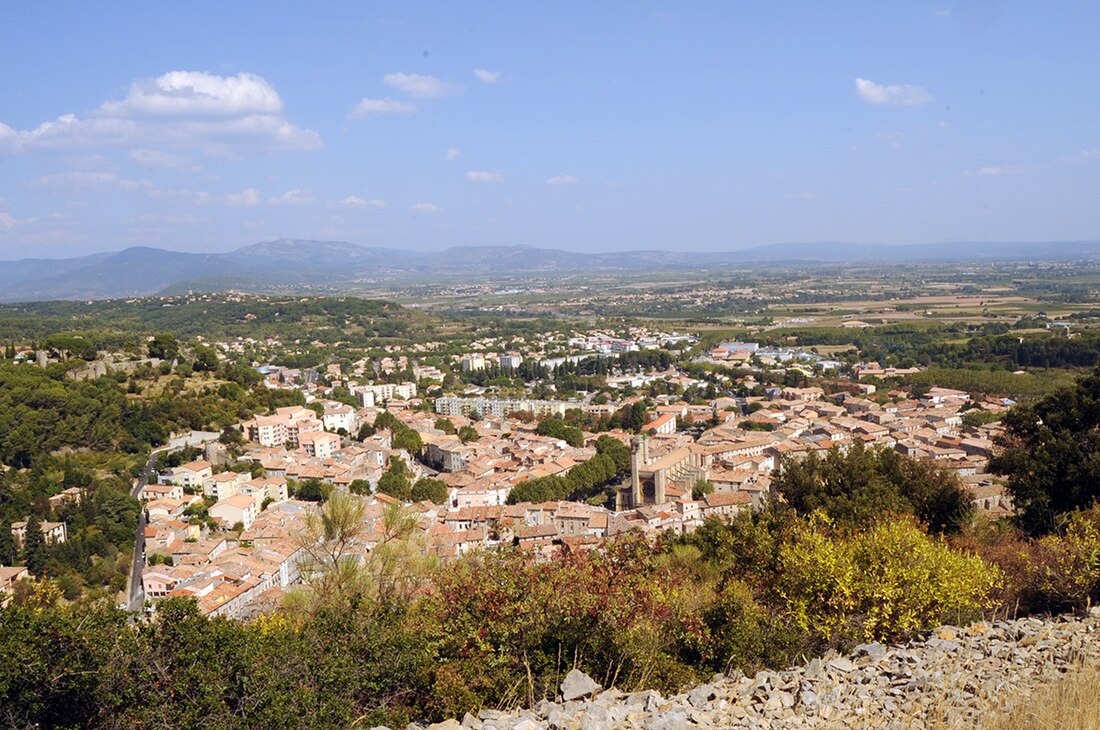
[{"x": 880, "y": 583}]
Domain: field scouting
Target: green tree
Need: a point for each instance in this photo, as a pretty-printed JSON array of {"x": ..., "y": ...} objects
[
  {"x": 428, "y": 488},
  {"x": 35, "y": 550},
  {"x": 557, "y": 428},
  {"x": 395, "y": 481},
  {"x": 445, "y": 425},
  {"x": 7, "y": 542},
  {"x": 164, "y": 346},
  {"x": 360, "y": 486},
  {"x": 467, "y": 434},
  {"x": 313, "y": 490},
  {"x": 857, "y": 485},
  {"x": 206, "y": 359},
  {"x": 701, "y": 489},
  {"x": 408, "y": 439},
  {"x": 1051, "y": 454},
  {"x": 616, "y": 449}
]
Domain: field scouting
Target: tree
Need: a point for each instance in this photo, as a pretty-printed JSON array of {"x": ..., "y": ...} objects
[
  {"x": 35, "y": 550},
  {"x": 616, "y": 449},
  {"x": 360, "y": 486},
  {"x": 164, "y": 346},
  {"x": 445, "y": 425},
  {"x": 335, "y": 581},
  {"x": 407, "y": 439},
  {"x": 313, "y": 490},
  {"x": 856, "y": 486},
  {"x": 206, "y": 359},
  {"x": 395, "y": 481},
  {"x": 7, "y": 543},
  {"x": 467, "y": 434},
  {"x": 701, "y": 489},
  {"x": 433, "y": 490},
  {"x": 1051, "y": 454},
  {"x": 557, "y": 428}
]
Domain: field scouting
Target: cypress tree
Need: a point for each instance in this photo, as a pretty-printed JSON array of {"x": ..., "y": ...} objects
[
  {"x": 7, "y": 543},
  {"x": 34, "y": 547}
]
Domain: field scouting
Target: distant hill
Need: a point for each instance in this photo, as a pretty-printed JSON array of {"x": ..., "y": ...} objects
[{"x": 302, "y": 265}]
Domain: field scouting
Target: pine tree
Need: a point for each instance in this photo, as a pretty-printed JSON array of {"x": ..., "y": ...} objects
[
  {"x": 34, "y": 547},
  {"x": 7, "y": 543}
]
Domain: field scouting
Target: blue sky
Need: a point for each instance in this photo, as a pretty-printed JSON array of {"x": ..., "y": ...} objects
[{"x": 586, "y": 126}]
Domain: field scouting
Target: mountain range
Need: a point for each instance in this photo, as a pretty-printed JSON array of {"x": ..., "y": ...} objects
[{"x": 326, "y": 266}]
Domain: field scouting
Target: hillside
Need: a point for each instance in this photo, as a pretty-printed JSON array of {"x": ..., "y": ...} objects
[
  {"x": 288, "y": 265},
  {"x": 351, "y": 320}
]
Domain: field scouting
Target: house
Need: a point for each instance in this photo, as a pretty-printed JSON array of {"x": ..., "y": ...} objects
[
  {"x": 339, "y": 416},
  {"x": 664, "y": 424},
  {"x": 72, "y": 495},
  {"x": 319, "y": 444},
  {"x": 51, "y": 531},
  {"x": 267, "y": 430},
  {"x": 166, "y": 509},
  {"x": 572, "y": 518},
  {"x": 725, "y": 504},
  {"x": 224, "y": 484},
  {"x": 273, "y": 488},
  {"x": 238, "y": 508},
  {"x": 161, "y": 491},
  {"x": 8, "y": 578},
  {"x": 193, "y": 474}
]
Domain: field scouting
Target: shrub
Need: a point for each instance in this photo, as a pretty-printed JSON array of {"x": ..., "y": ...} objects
[{"x": 881, "y": 583}]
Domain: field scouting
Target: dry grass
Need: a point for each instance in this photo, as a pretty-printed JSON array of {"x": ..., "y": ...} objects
[{"x": 1069, "y": 703}]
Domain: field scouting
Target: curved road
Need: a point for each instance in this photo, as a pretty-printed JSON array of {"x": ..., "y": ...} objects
[{"x": 135, "y": 601}]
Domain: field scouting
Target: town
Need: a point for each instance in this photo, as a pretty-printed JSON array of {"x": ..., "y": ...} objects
[{"x": 479, "y": 465}]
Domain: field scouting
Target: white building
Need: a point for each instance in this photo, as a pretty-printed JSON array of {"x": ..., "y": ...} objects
[
  {"x": 372, "y": 395},
  {"x": 340, "y": 416},
  {"x": 238, "y": 508},
  {"x": 472, "y": 363},
  {"x": 499, "y": 407}
]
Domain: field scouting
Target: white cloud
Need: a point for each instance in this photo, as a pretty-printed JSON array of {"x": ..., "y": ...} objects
[
  {"x": 375, "y": 107},
  {"x": 247, "y": 197},
  {"x": 562, "y": 180},
  {"x": 83, "y": 180},
  {"x": 484, "y": 176},
  {"x": 993, "y": 171},
  {"x": 292, "y": 197},
  {"x": 9, "y": 221},
  {"x": 451, "y": 154},
  {"x": 893, "y": 94},
  {"x": 489, "y": 77},
  {"x": 425, "y": 207},
  {"x": 196, "y": 94},
  {"x": 421, "y": 87},
  {"x": 354, "y": 201},
  {"x": 230, "y": 116},
  {"x": 163, "y": 160}
]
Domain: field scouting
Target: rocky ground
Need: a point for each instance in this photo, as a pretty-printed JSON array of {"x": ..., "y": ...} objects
[{"x": 953, "y": 677}]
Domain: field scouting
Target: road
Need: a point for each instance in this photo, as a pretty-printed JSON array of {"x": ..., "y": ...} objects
[{"x": 136, "y": 600}]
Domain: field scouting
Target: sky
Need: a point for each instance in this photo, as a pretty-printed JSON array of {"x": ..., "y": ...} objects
[{"x": 586, "y": 126}]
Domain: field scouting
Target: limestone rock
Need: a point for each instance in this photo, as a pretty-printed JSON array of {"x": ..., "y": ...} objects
[{"x": 577, "y": 684}]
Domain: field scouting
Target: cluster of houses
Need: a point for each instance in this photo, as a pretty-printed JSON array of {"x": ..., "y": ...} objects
[{"x": 246, "y": 548}]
